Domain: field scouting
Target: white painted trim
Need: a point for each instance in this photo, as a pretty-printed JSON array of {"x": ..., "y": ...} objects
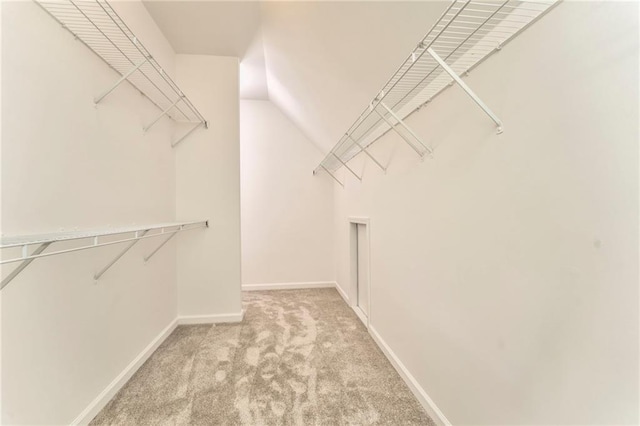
[
  {"x": 109, "y": 392},
  {"x": 361, "y": 315},
  {"x": 360, "y": 220},
  {"x": 210, "y": 319},
  {"x": 366, "y": 319},
  {"x": 424, "y": 399},
  {"x": 288, "y": 286},
  {"x": 343, "y": 294}
]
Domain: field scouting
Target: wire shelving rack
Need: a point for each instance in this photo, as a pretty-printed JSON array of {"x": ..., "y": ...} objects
[
  {"x": 94, "y": 238},
  {"x": 466, "y": 34},
  {"x": 96, "y": 24}
]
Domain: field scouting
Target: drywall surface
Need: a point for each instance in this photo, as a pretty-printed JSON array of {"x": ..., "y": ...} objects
[
  {"x": 287, "y": 213},
  {"x": 208, "y": 187},
  {"x": 67, "y": 164},
  {"x": 504, "y": 271},
  {"x": 325, "y": 60}
]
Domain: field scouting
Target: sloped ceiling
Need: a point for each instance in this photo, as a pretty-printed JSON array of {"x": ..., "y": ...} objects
[
  {"x": 221, "y": 28},
  {"x": 320, "y": 62}
]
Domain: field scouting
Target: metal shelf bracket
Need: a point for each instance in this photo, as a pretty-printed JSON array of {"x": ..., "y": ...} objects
[
  {"x": 181, "y": 97},
  {"x": 122, "y": 253},
  {"x": 384, "y": 169},
  {"x": 126, "y": 76},
  {"x": 24, "y": 263},
  {"x": 466, "y": 88},
  {"x": 347, "y": 167},
  {"x": 331, "y": 174},
  {"x": 404, "y": 126},
  {"x": 193, "y": 129},
  {"x": 150, "y": 255}
]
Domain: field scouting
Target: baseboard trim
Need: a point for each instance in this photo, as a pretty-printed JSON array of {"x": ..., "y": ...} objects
[
  {"x": 343, "y": 294},
  {"x": 210, "y": 319},
  {"x": 424, "y": 399},
  {"x": 109, "y": 392},
  {"x": 288, "y": 286}
]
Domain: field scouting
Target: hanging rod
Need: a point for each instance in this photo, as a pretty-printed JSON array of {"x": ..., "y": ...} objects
[
  {"x": 96, "y": 24},
  {"x": 43, "y": 241},
  {"x": 465, "y": 35}
]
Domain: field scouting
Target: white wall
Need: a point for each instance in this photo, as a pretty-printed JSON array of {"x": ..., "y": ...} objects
[
  {"x": 68, "y": 164},
  {"x": 325, "y": 60},
  {"x": 504, "y": 272},
  {"x": 208, "y": 187},
  {"x": 287, "y": 213}
]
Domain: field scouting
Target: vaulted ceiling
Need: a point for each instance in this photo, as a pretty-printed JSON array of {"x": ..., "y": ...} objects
[{"x": 320, "y": 62}]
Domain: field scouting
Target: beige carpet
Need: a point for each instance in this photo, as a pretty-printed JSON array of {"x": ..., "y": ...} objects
[{"x": 300, "y": 357}]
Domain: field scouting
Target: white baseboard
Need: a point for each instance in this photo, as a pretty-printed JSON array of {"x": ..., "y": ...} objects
[
  {"x": 109, "y": 392},
  {"x": 343, "y": 294},
  {"x": 424, "y": 399},
  {"x": 288, "y": 286},
  {"x": 210, "y": 319},
  {"x": 361, "y": 316}
]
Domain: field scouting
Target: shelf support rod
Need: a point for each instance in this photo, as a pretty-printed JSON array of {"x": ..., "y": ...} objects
[
  {"x": 407, "y": 128},
  {"x": 174, "y": 144},
  {"x": 466, "y": 88},
  {"x": 332, "y": 175},
  {"x": 392, "y": 126},
  {"x": 24, "y": 263},
  {"x": 367, "y": 152},
  {"x": 126, "y": 249},
  {"x": 163, "y": 113},
  {"x": 150, "y": 255},
  {"x": 126, "y": 76},
  {"x": 348, "y": 168}
]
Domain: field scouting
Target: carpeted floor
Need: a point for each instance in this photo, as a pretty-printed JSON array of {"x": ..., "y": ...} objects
[{"x": 300, "y": 357}]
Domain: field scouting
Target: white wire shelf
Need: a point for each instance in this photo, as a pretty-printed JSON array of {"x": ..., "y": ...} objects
[
  {"x": 99, "y": 238},
  {"x": 467, "y": 33},
  {"x": 96, "y": 24},
  {"x": 21, "y": 240}
]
